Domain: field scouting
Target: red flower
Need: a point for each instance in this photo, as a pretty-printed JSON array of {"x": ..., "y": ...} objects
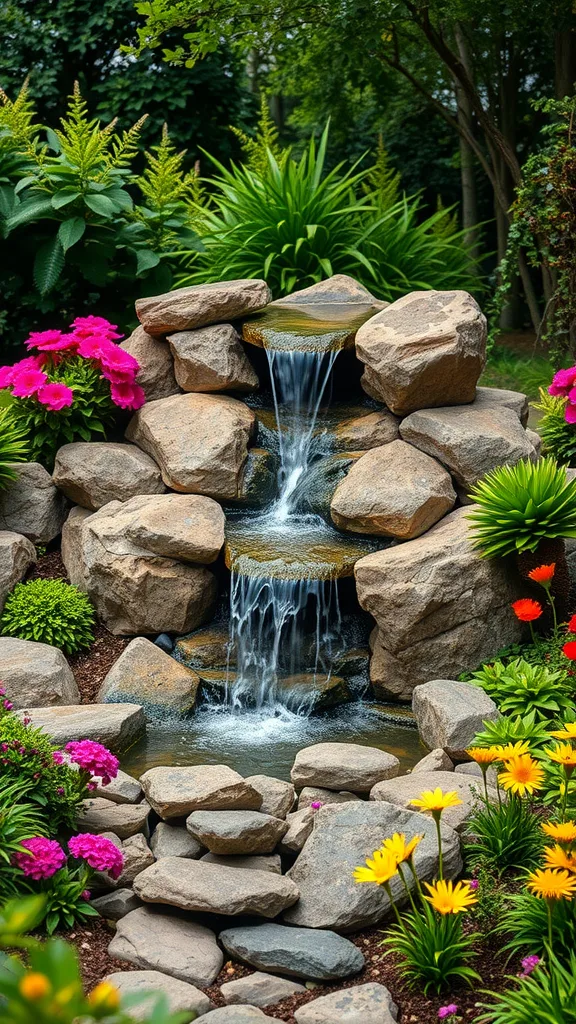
[
  {"x": 572, "y": 625},
  {"x": 570, "y": 650},
  {"x": 527, "y": 610},
  {"x": 543, "y": 573}
]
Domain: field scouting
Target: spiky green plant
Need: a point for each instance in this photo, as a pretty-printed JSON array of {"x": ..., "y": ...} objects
[
  {"x": 522, "y": 505},
  {"x": 519, "y": 687},
  {"x": 547, "y": 996},
  {"x": 558, "y": 436},
  {"x": 13, "y": 447},
  {"x": 265, "y": 140}
]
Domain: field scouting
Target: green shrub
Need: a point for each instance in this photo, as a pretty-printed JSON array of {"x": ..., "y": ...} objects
[
  {"x": 506, "y": 835},
  {"x": 547, "y": 996},
  {"x": 518, "y": 688},
  {"x": 522, "y": 505},
  {"x": 18, "y": 820},
  {"x": 558, "y": 436},
  {"x": 435, "y": 951},
  {"x": 50, "y": 612},
  {"x": 513, "y": 730},
  {"x": 14, "y": 447}
]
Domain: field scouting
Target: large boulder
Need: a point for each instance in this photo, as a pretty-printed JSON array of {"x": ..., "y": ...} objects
[
  {"x": 199, "y": 441},
  {"x": 212, "y": 359},
  {"x": 182, "y": 998},
  {"x": 470, "y": 441},
  {"x": 116, "y": 726},
  {"x": 362, "y": 1004},
  {"x": 407, "y": 788},
  {"x": 449, "y": 714},
  {"x": 92, "y": 473},
  {"x": 175, "y": 792},
  {"x": 156, "y": 373},
  {"x": 344, "y": 835},
  {"x": 17, "y": 554},
  {"x": 392, "y": 491},
  {"x": 36, "y": 675},
  {"x": 186, "y": 308},
  {"x": 439, "y": 607},
  {"x": 236, "y": 832},
  {"x": 426, "y": 349},
  {"x": 299, "y": 952},
  {"x": 144, "y": 672},
  {"x": 369, "y": 430},
  {"x": 32, "y": 504},
  {"x": 339, "y": 766},
  {"x": 337, "y": 290},
  {"x": 178, "y": 947}
]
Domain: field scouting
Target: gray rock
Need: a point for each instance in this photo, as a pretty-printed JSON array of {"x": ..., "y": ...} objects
[
  {"x": 436, "y": 761},
  {"x": 116, "y": 904},
  {"x": 116, "y": 726},
  {"x": 270, "y": 862},
  {"x": 156, "y": 373},
  {"x": 175, "y": 792},
  {"x": 174, "y": 841},
  {"x": 181, "y": 997},
  {"x": 339, "y": 289},
  {"x": 198, "y": 886},
  {"x": 17, "y": 554},
  {"x": 514, "y": 400},
  {"x": 300, "y": 952},
  {"x": 32, "y": 504},
  {"x": 236, "y": 832},
  {"x": 146, "y": 673},
  {"x": 92, "y": 473},
  {"x": 36, "y": 674},
  {"x": 343, "y": 766},
  {"x": 316, "y": 794},
  {"x": 137, "y": 857},
  {"x": 178, "y": 947},
  {"x": 236, "y": 1015},
  {"x": 260, "y": 989},
  {"x": 372, "y": 429},
  {"x": 212, "y": 359},
  {"x": 121, "y": 790},
  {"x": 277, "y": 796},
  {"x": 186, "y": 308},
  {"x": 449, "y": 714},
  {"x": 99, "y": 815},
  {"x": 361, "y": 1004},
  {"x": 300, "y": 824},
  {"x": 473, "y": 769},
  {"x": 344, "y": 836},
  {"x": 535, "y": 440},
  {"x": 409, "y": 787},
  {"x": 71, "y": 546}
]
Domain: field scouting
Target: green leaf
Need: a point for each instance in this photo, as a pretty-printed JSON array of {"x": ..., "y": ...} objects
[
  {"x": 63, "y": 197},
  {"x": 48, "y": 265},
  {"x": 33, "y": 208},
  {"x": 100, "y": 205},
  {"x": 71, "y": 231},
  {"x": 145, "y": 260}
]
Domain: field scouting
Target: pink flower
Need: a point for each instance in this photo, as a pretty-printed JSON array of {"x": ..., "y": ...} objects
[
  {"x": 127, "y": 396},
  {"x": 117, "y": 365},
  {"x": 85, "y": 326},
  {"x": 58, "y": 757},
  {"x": 6, "y": 376},
  {"x": 563, "y": 381},
  {"x": 316, "y": 805},
  {"x": 56, "y": 396},
  {"x": 99, "y": 852},
  {"x": 570, "y": 413},
  {"x": 528, "y": 964},
  {"x": 51, "y": 341},
  {"x": 93, "y": 346},
  {"x": 8, "y": 705},
  {"x": 44, "y": 859},
  {"x": 85, "y": 894},
  {"x": 94, "y": 758},
  {"x": 474, "y": 884},
  {"x": 27, "y": 382},
  {"x": 447, "y": 1011}
]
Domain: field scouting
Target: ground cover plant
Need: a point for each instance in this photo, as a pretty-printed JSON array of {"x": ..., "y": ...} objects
[{"x": 51, "y": 612}]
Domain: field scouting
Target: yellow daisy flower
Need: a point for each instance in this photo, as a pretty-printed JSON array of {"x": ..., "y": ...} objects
[
  {"x": 448, "y": 898},
  {"x": 401, "y": 849},
  {"x": 564, "y": 754},
  {"x": 556, "y": 857},
  {"x": 380, "y": 869},
  {"x": 483, "y": 755},
  {"x": 504, "y": 753},
  {"x": 522, "y": 774},
  {"x": 562, "y": 831},
  {"x": 552, "y": 884},
  {"x": 436, "y": 801},
  {"x": 567, "y": 733}
]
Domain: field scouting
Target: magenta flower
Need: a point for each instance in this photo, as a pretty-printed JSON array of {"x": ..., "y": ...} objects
[
  {"x": 8, "y": 705},
  {"x": 316, "y": 805},
  {"x": 6, "y": 376},
  {"x": 127, "y": 396},
  {"x": 27, "y": 382},
  {"x": 56, "y": 396},
  {"x": 99, "y": 852},
  {"x": 85, "y": 894},
  {"x": 93, "y": 346},
  {"x": 528, "y": 964},
  {"x": 95, "y": 759},
  {"x": 447, "y": 1011},
  {"x": 85, "y": 326},
  {"x": 44, "y": 859},
  {"x": 58, "y": 757},
  {"x": 117, "y": 365},
  {"x": 570, "y": 413},
  {"x": 474, "y": 884},
  {"x": 43, "y": 340},
  {"x": 562, "y": 382}
]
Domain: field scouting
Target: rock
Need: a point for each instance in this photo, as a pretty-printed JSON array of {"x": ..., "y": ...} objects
[
  {"x": 133, "y": 589},
  {"x": 156, "y": 373},
  {"x": 343, "y": 836},
  {"x": 116, "y": 726},
  {"x": 300, "y": 825},
  {"x": 339, "y": 289},
  {"x": 99, "y": 815},
  {"x": 116, "y": 904},
  {"x": 260, "y": 989},
  {"x": 186, "y": 308},
  {"x": 178, "y": 947},
  {"x": 198, "y": 886},
  {"x": 212, "y": 359},
  {"x": 121, "y": 790},
  {"x": 471, "y": 768},
  {"x": 174, "y": 841},
  {"x": 92, "y": 473},
  {"x": 450, "y": 714},
  {"x": 32, "y": 505},
  {"x": 359, "y": 433},
  {"x": 300, "y": 952},
  {"x": 236, "y": 832},
  {"x": 181, "y": 997},
  {"x": 277, "y": 796},
  {"x": 392, "y": 491},
  {"x": 175, "y": 792},
  {"x": 361, "y": 1004},
  {"x": 205, "y": 648},
  {"x": 137, "y": 856},
  {"x": 316, "y": 794},
  {"x": 469, "y": 441},
  {"x": 514, "y": 400},
  {"x": 36, "y": 674},
  {"x": 17, "y": 554},
  {"x": 188, "y": 527},
  {"x": 143, "y": 671},
  {"x": 271, "y": 862},
  {"x": 409, "y": 787},
  {"x": 199, "y": 441},
  {"x": 426, "y": 349},
  {"x": 343, "y": 766},
  {"x": 314, "y": 690},
  {"x": 237, "y": 1015},
  {"x": 440, "y": 609},
  {"x": 535, "y": 440},
  {"x": 436, "y": 761}
]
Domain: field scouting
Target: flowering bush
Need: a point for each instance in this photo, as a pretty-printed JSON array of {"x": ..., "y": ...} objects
[
  {"x": 94, "y": 759},
  {"x": 69, "y": 388},
  {"x": 51, "y": 612},
  {"x": 564, "y": 386},
  {"x": 40, "y": 858},
  {"x": 99, "y": 852}
]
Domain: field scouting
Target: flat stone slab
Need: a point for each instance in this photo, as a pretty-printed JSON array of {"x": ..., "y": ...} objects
[
  {"x": 470, "y": 791},
  {"x": 202, "y": 304},
  {"x": 260, "y": 989},
  {"x": 17, "y": 554},
  {"x": 175, "y": 792},
  {"x": 277, "y": 795},
  {"x": 343, "y": 766},
  {"x": 300, "y": 952},
  {"x": 196, "y": 885},
  {"x": 236, "y": 832},
  {"x": 92, "y": 473},
  {"x": 146, "y": 672},
  {"x": 174, "y": 841},
  {"x": 236, "y": 1015},
  {"x": 123, "y": 789},
  {"x": 116, "y": 904},
  {"x": 449, "y": 714},
  {"x": 362, "y": 1004},
  {"x": 271, "y": 862},
  {"x": 99, "y": 815},
  {"x": 116, "y": 726},
  {"x": 181, "y": 996},
  {"x": 36, "y": 674},
  {"x": 180, "y": 948}
]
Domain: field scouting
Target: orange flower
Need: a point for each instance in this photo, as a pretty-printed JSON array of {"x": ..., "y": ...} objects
[
  {"x": 543, "y": 573},
  {"x": 526, "y": 609}
]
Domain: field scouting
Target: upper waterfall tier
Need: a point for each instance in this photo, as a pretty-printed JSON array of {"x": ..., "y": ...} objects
[{"x": 314, "y": 327}]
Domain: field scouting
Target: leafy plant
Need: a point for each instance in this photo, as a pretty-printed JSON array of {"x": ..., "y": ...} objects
[
  {"x": 524, "y": 922},
  {"x": 19, "y": 820},
  {"x": 14, "y": 447},
  {"x": 546, "y": 996},
  {"x": 522, "y": 505},
  {"x": 513, "y": 730},
  {"x": 505, "y": 835},
  {"x": 68, "y": 899},
  {"x": 558, "y": 436},
  {"x": 519, "y": 687},
  {"x": 49, "y": 611},
  {"x": 435, "y": 951}
]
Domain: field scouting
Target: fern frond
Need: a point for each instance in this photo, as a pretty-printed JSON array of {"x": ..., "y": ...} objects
[
  {"x": 447, "y": 224},
  {"x": 265, "y": 140},
  {"x": 382, "y": 181}
]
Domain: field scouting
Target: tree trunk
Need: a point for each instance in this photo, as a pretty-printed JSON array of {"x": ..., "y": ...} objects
[
  {"x": 565, "y": 63},
  {"x": 467, "y": 164}
]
